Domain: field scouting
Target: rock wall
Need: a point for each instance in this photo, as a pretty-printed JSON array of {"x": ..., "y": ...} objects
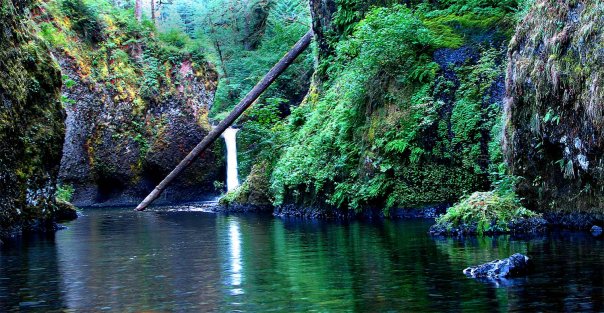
[
  {"x": 31, "y": 123},
  {"x": 136, "y": 105},
  {"x": 554, "y": 116},
  {"x": 114, "y": 156}
]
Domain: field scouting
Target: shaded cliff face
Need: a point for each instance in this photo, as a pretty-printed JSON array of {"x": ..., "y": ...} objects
[
  {"x": 31, "y": 122},
  {"x": 114, "y": 156},
  {"x": 554, "y": 126},
  {"x": 135, "y": 107}
]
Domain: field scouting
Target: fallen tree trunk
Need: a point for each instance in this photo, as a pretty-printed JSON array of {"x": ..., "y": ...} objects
[{"x": 266, "y": 81}]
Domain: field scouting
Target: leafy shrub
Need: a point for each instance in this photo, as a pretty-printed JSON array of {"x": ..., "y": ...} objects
[
  {"x": 52, "y": 35},
  {"x": 394, "y": 125},
  {"x": 64, "y": 193}
]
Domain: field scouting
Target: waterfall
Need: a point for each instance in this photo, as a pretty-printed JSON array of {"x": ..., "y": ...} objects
[{"x": 230, "y": 138}]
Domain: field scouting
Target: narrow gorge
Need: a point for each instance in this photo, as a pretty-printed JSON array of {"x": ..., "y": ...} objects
[{"x": 410, "y": 140}]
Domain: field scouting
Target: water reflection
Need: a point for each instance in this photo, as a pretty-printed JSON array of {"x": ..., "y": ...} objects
[
  {"x": 235, "y": 257},
  {"x": 121, "y": 261},
  {"x": 29, "y": 276}
]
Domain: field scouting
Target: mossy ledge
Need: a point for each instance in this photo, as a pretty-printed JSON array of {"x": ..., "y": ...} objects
[
  {"x": 31, "y": 125},
  {"x": 489, "y": 213}
]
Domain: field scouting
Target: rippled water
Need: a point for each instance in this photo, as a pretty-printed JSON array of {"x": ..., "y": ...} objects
[{"x": 122, "y": 261}]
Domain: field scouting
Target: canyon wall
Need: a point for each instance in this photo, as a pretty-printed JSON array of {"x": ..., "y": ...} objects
[
  {"x": 31, "y": 123},
  {"x": 554, "y": 117}
]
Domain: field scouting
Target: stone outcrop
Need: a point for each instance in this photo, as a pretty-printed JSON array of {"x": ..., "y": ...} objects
[
  {"x": 514, "y": 266},
  {"x": 253, "y": 195},
  {"x": 31, "y": 124}
]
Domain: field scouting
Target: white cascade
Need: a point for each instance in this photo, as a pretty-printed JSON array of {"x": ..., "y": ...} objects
[{"x": 230, "y": 138}]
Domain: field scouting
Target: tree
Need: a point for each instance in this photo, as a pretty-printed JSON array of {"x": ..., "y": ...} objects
[
  {"x": 138, "y": 11},
  {"x": 153, "y": 11}
]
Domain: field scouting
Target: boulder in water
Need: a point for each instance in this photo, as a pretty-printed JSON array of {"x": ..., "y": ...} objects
[
  {"x": 515, "y": 265},
  {"x": 596, "y": 231}
]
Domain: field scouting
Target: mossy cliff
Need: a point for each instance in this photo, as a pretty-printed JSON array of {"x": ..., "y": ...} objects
[
  {"x": 407, "y": 113},
  {"x": 136, "y": 101},
  {"x": 554, "y": 113},
  {"x": 31, "y": 123}
]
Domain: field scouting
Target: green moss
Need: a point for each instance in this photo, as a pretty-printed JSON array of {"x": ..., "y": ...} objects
[
  {"x": 254, "y": 190},
  {"x": 486, "y": 212}
]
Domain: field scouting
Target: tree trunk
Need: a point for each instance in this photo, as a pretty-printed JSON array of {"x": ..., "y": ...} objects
[
  {"x": 153, "y": 11},
  {"x": 266, "y": 81},
  {"x": 222, "y": 60},
  {"x": 138, "y": 10}
]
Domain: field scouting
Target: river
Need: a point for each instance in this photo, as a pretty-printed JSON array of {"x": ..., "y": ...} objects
[{"x": 117, "y": 260}]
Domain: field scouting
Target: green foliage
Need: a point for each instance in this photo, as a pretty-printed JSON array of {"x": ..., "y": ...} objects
[
  {"x": 52, "y": 35},
  {"x": 64, "y": 193},
  {"x": 68, "y": 82},
  {"x": 176, "y": 44},
  {"x": 390, "y": 128},
  {"x": 261, "y": 134},
  {"x": 84, "y": 17},
  {"x": 247, "y": 39},
  {"x": 231, "y": 196},
  {"x": 219, "y": 186}
]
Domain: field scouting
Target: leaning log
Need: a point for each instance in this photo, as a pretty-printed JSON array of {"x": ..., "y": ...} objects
[{"x": 266, "y": 81}]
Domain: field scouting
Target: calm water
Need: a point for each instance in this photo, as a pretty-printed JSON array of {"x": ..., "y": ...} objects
[{"x": 122, "y": 261}]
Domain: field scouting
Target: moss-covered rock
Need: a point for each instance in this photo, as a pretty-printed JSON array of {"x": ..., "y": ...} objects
[
  {"x": 253, "y": 194},
  {"x": 65, "y": 211},
  {"x": 31, "y": 123},
  {"x": 555, "y": 116}
]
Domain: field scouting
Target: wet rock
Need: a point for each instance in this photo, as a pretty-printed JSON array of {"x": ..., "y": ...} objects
[
  {"x": 533, "y": 225},
  {"x": 514, "y": 266},
  {"x": 596, "y": 231},
  {"x": 574, "y": 220},
  {"x": 332, "y": 213},
  {"x": 65, "y": 212},
  {"x": 426, "y": 212},
  {"x": 243, "y": 208},
  {"x": 308, "y": 212}
]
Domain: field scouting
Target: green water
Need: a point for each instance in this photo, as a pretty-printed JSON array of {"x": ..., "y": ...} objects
[{"x": 122, "y": 261}]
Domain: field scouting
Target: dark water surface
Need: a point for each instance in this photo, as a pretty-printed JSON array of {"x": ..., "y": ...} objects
[{"x": 122, "y": 261}]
